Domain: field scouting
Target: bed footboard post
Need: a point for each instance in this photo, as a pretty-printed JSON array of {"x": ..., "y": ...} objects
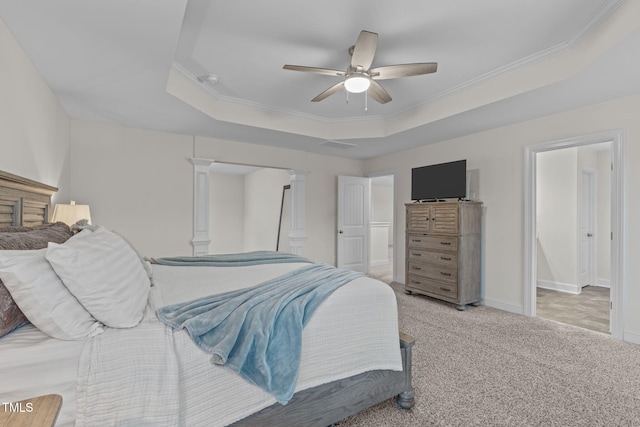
[{"x": 406, "y": 399}]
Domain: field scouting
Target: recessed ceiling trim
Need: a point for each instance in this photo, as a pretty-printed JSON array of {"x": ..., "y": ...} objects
[
  {"x": 543, "y": 72},
  {"x": 495, "y": 73},
  {"x": 338, "y": 144},
  {"x": 601, "y": 15},
  {"x": 544, "y": 68},
  {"x": 596, "y": 19}
]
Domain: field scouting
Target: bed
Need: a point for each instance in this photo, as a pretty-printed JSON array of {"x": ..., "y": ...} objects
[{"x": 142, "y": 372}]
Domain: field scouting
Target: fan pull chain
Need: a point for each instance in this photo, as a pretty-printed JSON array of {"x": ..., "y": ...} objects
[
  {"x": 347, "y": 96},
  {"x": 366, "y": 103}
]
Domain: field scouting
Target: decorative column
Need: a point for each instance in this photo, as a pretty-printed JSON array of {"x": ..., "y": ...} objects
[
  {"x": 298, "y": 231},
  {"x": 201, "y": 238}
]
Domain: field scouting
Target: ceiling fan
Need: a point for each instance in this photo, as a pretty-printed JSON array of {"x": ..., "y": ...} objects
[{"x": 359, "y": 77}]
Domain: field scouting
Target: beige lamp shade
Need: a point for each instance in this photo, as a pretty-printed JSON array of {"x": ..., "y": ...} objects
[{"x": 71, "y": 213}]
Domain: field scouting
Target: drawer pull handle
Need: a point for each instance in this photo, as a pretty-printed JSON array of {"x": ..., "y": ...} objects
[
  {"x": 415, "y": 282},
  {"x": 446, "y": 243},
  {"x": 416, "y": 254},
  {"x": 445, "y": 274},
  {"x": 416, "y": 241},
  {"x": 445, "y": 289},
  {"x": 413, "y": 267},
  {"x": 444, "y": 258}
]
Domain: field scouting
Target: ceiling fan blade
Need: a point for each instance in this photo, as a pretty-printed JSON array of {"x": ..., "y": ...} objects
[
  {"x": 324, "y": 71},
  {"x": 364, "y": 50},
  {"x": 378, "y": 93},
  {"x": 333, "y": 89},
  {"x": 403, "y": 70}
]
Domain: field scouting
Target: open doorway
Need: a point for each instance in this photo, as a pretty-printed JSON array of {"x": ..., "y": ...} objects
[
  {"x": 616, "y": 239},
  {"x": 248, "y": 209},
  {"x": 207, "y": 200},
  {"x": 381, "y": 261},
  {"x": 573, "y": 223}
]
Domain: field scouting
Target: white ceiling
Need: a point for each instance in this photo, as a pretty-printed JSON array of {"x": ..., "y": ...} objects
[{"x": 137, "y": 64}]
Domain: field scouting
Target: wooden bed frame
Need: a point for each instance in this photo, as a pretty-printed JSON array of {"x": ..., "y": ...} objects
[
  {"x": 24, "y": 202},
  {"x": 329, "y": 403}
]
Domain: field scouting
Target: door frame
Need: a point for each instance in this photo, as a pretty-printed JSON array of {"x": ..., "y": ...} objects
[
  {"x": 393, "y": 218},
  {"x": 618, "y": 279}
]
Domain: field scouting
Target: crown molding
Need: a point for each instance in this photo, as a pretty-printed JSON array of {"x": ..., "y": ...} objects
[
  {"x": 433, "y": 108},
  {"x": 597, "y": 18}
]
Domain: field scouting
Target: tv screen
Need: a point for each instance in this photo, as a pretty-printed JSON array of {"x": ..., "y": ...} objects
[{"x": 441, "y": 181}]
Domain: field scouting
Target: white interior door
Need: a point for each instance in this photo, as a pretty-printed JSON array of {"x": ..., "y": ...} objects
[
  {"x": 587, "y": 229},
  {"x": 354, "y": 205}
]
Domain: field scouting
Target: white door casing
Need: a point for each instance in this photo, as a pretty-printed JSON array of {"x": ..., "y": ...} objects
[
  {"x": 618, "y": 279},
  {"x": 354, "y": 205}
]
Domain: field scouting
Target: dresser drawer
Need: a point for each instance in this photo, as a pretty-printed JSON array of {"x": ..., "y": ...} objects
[
  {"x": 441, "y": 259},
  {"x": 443, "y": 251},
  {"x": 418, "y": 241},
  {"x": 447, "y": 275},
  {"x": 424, "y": 284}
]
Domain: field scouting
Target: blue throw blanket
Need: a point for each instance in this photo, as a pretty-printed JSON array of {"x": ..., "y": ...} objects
[
  {"x": 231, "y": 260},
  {"x": 258, "y": 331}
]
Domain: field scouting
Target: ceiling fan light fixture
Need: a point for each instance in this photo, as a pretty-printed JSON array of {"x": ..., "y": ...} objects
[
  {"x": 360, "y": 77},
  {"x": 357, "y": 84}
]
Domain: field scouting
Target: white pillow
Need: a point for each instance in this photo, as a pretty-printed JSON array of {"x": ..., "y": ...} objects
[
  {"x": 105, "y": 274},
  {"x": 43, "y": 298}
]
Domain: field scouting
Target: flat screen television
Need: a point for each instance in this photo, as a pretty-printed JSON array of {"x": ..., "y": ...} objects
[{"x": 441, "y": 181}]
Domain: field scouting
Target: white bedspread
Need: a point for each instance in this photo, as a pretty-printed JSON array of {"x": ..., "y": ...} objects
[
  {"x": 34, "y": 364},
  {"x": 151, "y": 375}
]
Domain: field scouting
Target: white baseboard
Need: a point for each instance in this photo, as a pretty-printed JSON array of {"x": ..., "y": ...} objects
[
  {"x": 559, "y": 286},
  {"x": 605, "y": 283},
  {"x": 632, "y": 337},
  {"x": 379, "y": 262},
  {"x": 500, "y": 305}
]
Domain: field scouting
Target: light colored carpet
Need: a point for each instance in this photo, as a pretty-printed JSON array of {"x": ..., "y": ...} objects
[{"x": 486, "y": 367}]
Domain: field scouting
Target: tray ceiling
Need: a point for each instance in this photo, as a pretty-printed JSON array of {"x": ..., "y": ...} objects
[{"x": 142, "y": 64}]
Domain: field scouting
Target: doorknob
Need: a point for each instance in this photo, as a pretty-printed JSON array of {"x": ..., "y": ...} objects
[
  {"x": 340, "y": 231},
  {"x": 589, "y": 234}
]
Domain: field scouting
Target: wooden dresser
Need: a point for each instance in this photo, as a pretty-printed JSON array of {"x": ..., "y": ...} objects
[{"x": 443, "y": 257}]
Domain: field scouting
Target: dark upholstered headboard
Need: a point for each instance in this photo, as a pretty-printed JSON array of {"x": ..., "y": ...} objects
[{"x": 24, "y": 202}]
